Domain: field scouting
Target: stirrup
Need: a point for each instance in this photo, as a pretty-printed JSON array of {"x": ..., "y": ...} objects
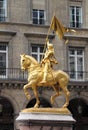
[{"x": 43, "y": 81}]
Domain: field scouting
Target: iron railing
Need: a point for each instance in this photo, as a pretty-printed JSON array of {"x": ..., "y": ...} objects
[
  {"x": 2, "y": 19},
  {"x": 78, "y": 75},
  {"x": 18, "y": 74},
  {"x": 13, "y": 74}
]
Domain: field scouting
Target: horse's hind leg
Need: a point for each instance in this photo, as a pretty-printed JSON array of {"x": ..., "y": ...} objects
[
  {"x": 67, "y": 93},
  {"x": 63, "y": 85},
  {"x": 57, "y": 93}
]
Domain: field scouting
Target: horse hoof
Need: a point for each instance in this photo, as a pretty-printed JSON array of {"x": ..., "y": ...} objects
[
  {"x": 52, "y": 100},
  {"x": 28, "y": 97},
  {"x": 65, "y": 106},
  {"x": 36, "y": 106}
]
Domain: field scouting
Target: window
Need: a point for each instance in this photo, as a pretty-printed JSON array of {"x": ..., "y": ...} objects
[
  {"x": 3, "y": 10},
  {"x": 37, "y": 52},
  {"x": 38, "y": 16},
  {"x": 3, "y": 60},
  {"x": 76, "y": 63},
  {"x": 75, "y": 16}
]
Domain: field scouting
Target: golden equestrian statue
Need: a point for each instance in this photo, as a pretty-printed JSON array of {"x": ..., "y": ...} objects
[{"x": 43, "y": 74}]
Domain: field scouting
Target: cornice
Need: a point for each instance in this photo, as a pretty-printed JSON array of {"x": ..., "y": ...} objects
[
  {"x": 71, "y": 37},
  {"x": 7, "y": 32},
  {"x": 39, "y": 35},
  {"x": 79, "y": 86},
  {"x": 12, "y": 84},
  {"x": 25, "y": 24},
  {"x": 80, "y": 34}
]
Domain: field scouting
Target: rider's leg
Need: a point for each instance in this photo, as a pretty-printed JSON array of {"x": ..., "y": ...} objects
[
  {"x": 45, "y": 73},
  {"x": 45, "y": 76}
]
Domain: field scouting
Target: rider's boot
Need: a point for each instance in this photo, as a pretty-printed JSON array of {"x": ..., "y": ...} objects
[{"x": 44, "y": 79}]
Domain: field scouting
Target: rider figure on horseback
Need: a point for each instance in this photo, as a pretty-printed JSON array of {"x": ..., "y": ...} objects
[{"x": 48, "y": 60}]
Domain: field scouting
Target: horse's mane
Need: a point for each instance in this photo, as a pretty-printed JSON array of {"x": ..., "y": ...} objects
[{"x": 32, "y": 59}]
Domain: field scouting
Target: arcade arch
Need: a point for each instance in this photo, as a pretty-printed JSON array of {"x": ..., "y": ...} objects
[
  {"x": 79, "y": 110},
  {"x": 43, "y": 103},
  {"x": 6, "y": 114}
]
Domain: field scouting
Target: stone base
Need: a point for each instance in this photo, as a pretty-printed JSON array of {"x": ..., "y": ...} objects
[
  {"x": 47, "y": 110},
  {"x": 38, "y": 120}
]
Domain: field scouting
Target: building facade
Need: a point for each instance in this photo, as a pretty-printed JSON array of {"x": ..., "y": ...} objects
[{"x": 24, "y": 26}]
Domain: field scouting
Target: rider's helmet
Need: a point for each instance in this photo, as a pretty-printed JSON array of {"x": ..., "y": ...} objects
[{"x": 50, "y": 45}]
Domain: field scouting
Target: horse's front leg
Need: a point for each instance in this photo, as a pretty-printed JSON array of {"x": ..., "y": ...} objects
[
  {"x": 36, "y": 95},
  {"x": 26, "y": 87}
]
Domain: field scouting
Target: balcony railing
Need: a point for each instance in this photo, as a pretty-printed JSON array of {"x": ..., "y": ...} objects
[
  {"x": 18, "y": 74},
  {"x": 2, "y": 19},
  {"x": 78, "y": 75},
  {"x": 12, "y": 74}
]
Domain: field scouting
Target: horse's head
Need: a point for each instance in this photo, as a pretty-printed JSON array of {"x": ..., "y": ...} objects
[{"x": 25, "y": 62}]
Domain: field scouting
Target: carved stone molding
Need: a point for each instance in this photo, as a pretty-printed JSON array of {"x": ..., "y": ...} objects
[{"x": 14, "y": 85}]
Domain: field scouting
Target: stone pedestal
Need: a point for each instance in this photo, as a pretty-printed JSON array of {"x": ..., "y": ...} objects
[{"x": 45, "y": 121}]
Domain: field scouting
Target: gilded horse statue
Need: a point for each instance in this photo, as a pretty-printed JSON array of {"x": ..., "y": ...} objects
[{"x": 56, "y": 79}]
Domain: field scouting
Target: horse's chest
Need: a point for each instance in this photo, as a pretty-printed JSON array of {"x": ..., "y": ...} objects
[{"x": 32, "y": 77}]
